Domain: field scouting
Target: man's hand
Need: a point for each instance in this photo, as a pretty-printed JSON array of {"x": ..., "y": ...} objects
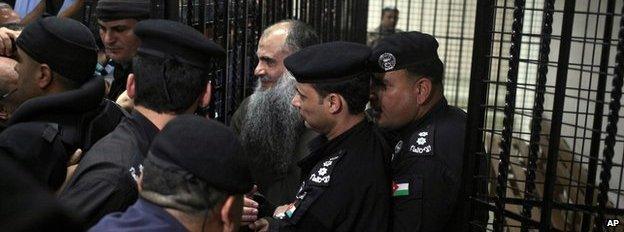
[
  {"x": 250, "y": 208},
  {"x": 71, "y": 168},
  {"x": 250, "y": 211},
  {"x": 281, "y": 211},
  {"x": 125, "y": 101},
  {"x": 261, "y": 225},
  {"x": 7, "y": 36}
]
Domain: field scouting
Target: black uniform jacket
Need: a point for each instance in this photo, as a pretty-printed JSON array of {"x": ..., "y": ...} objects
[
  {"x": 105, "y": 180},
  {"x": 120, "y": 78},
  {"x": 40, "y": 122},
  {"x": 426, "y": 169},
  {"x": 345, "y": 186}
]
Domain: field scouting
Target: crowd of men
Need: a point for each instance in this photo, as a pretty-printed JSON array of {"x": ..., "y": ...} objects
[{"x": 337, "y": 136}]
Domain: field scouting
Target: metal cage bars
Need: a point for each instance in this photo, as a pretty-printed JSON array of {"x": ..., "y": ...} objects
[{"x": 478, "y": 106}]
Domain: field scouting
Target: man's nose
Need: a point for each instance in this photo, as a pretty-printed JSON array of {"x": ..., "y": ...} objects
[
  {"x": 108, "y": 38},
  {"x": 259, "y": 70},
  {"x": 295, "y": 102}
]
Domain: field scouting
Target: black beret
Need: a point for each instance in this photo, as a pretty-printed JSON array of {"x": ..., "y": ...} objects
[
  {"x": 207, "y": 149},
  {"x": 109, "y": 10},
  {"x": 328, "y": 62},
  {"x": 398, "y": 51},
  {"x": 66, "y": 45},
  {"x": 171, "y": 39}
]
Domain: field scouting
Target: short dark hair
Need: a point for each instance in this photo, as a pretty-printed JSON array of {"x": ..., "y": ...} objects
[
  {"x": 355, "y": 91},
  {"x": 433, "y": 70},
  {"x": 66, "y": 83},
  {"x": 300, "y": 35},
  {"x": 166, "y": 85},
  {"x": 390, "y": 9}
]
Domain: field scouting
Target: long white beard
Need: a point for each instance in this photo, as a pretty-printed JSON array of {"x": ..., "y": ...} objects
[{"x": 272, "y": 126}]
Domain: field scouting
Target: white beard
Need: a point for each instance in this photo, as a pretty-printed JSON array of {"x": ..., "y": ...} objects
[{"x": 272, "y": 126}]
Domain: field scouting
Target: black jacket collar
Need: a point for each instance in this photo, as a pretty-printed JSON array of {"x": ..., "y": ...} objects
[{"x": 74, "y": 102}]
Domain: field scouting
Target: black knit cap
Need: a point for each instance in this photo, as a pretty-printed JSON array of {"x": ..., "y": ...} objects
[
  {"x": 109, "y": 10},
  {"x": 328, "y": 62},
  {"x": 207, "y": 149},
  {"x": 175, "y": 40},
  {"x": 66, "y": 45},
  {"x": 401, "y": 50}
]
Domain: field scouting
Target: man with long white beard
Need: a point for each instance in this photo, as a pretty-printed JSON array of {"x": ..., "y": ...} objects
[{"x": 268, "y": 125}]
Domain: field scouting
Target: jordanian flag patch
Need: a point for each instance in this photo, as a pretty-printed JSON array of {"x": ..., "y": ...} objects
[{"x": 400, "y": 189}]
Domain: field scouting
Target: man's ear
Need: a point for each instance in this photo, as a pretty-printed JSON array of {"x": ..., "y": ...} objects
[
  {"x": 422, "y": 88},
  {"x": 44, "y": 79},
  {"x": 231, "y": 213},
  {"x": 204, "y": 100},
  {"x": 335, "y": 103},
  {"x": 130, "y": 84}
]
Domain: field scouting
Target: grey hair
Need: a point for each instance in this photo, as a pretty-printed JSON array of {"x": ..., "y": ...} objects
[
  {"x": 173, "y": 187},
  {"x": 300, "y": 35}
]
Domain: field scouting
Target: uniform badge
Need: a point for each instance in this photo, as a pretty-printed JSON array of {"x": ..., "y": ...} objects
[
  {"x": 321, "y": 174},
  {"x": 421, "y": 143},
  {"x": 387, "y": 61},
  {"x": 400, "y": 189}
]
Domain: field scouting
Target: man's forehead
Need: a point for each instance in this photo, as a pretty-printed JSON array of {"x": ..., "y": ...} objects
[{"x": 273, "y": 41}]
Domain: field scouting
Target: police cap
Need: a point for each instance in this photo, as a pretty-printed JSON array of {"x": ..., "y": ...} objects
[
  {"x": 174, "y": 40},
  {"x": 109, "y": 10},
  {"x": 66, "y": 45},
  {"x": 328, "y": 62},
  {"x": 401, "y": 50},
  {"x": 207, "y": 149}
]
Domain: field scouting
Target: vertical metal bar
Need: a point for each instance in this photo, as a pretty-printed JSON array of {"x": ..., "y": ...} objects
[
  {"x": 246, "y": 53},
  {"x": 422, "y": 15},
  {"x": 612, "y": 120},
  {"x": 538, "y": 109},
  {"x": 158, "y": 10},
  {"x": 171, "y": 9},
  {"x": 409, "y": 9},
  {"x": 189, "y": 12},
  {"x": 202, "y": 16},
  {"x": 461, "y": 52},
  {"x": 225, "y": 91},
  {"x": 435, "y": 16},
  {"x": 480, "y": 72},
  {"x": 555, "y": 130},
  {"x": 598, "y": 114},
  {"x": 363, "y": 21},
  {"x": 508, "y": 120},
  {"x": 447, "y": 41},
  {"x": 586, "y": 218}
]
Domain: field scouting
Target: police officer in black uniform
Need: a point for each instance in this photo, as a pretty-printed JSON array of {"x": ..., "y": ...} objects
[
  {"x": 117, "y": 19},
  {"x": 345, "y": 186},
  {"x": 408, "y": 100},
  {"x": 57, "y": 99},
  {"x": 195, "y": 168},
  {"x": 171, "y": 69}
]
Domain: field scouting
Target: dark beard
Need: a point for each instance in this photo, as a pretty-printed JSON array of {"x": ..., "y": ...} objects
[{"x": 272, "y": 128}]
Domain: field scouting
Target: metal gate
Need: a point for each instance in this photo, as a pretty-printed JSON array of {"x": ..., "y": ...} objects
[{"x": 544, "y": 105}]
